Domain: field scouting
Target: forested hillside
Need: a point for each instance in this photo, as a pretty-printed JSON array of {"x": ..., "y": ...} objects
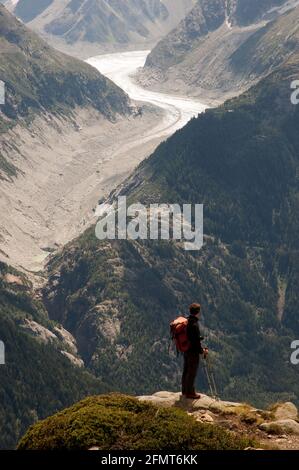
[{"x": 37, "y": 379}]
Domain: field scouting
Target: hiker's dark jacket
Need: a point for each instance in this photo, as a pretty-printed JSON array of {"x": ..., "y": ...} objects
[{"x": 194, "y": 335}]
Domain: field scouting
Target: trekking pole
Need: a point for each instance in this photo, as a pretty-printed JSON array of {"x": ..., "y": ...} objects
[
  {"x": 208, "y": 377},
  {"x": 211, "y": 378}
]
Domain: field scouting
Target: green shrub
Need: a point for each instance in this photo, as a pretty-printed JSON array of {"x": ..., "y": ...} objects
[{"x": 119, "y": 422}]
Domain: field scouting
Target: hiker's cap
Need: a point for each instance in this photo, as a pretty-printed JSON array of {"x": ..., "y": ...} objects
[{"x": 194, "y": 309}]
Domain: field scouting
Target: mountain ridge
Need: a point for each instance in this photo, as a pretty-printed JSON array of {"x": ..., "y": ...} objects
[
  {"x": 105, "y": 24},
  {"x": 225, "y": 60}
]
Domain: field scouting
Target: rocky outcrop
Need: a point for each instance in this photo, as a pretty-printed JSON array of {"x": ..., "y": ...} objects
[
  {"x": 73, "y": 359},
  {"x": 12, "y": 279},
  {"x": 67, "y": 338},
  {"x": 61, "y": 339},
  {"x": 285, "y": 411},
  {"x": 205, "y": 402},
  {"x": 262, "y": 424},
  {"x": 39, "y": 331},
  {"x": 288, "y": 426}
]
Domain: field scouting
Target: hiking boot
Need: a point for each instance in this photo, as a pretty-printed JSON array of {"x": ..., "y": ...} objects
[{"x": 193, "y": 396}]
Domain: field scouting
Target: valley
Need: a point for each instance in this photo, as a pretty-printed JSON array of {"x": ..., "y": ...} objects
[
  {"x": 121, "y": 68},
  {"x": 69, "y": 164}
]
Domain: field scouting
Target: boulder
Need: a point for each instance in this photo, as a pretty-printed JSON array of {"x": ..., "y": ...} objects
[
  {"x": 204, "y": 417},
  {"x": 168, "y": 399},
  {"x": 225, "y": 406},
  {"x": 282, "y": 426},
  {"x": 167, "y": 395},
  {"x": 163, "y": 399},
  {"x": 285, "y": 411},
  {"x": 202, "y": 403}
]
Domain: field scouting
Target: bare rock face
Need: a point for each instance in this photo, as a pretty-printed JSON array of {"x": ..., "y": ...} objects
[
  {"x": 204, "y": 402},
  {"x": 67, "y": 338},
  {"x": 163, "y": 399},
  {"x": 39, "y": 331},
  {"x": 244, "y": 12},
  {"x": 12, "y": 279},
  {"x": 74, "y": 360},
  {"x": 286, "y": 410}
]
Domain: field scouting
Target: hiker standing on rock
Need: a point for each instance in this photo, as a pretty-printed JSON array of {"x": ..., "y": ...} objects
[
  {"x": 192, "y": 355},
  {"x": 186, "y": 334}
]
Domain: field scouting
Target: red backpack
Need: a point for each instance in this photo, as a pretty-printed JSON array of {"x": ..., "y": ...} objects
[{"x": 178, "y": 332}]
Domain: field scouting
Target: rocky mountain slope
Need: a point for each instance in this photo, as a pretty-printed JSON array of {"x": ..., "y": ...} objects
[
  {"x": 103, "y": 22},
  {"x": 62, "y": 120},
  {"x": 244, "y": 12},
  {"x": 118, "y": 297},
  {"x": 42, "y": 81},
  {"x": 222, "y": 48}
]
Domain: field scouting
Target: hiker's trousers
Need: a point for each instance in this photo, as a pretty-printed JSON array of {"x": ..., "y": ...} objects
[{"x": 191, "y": 363}]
